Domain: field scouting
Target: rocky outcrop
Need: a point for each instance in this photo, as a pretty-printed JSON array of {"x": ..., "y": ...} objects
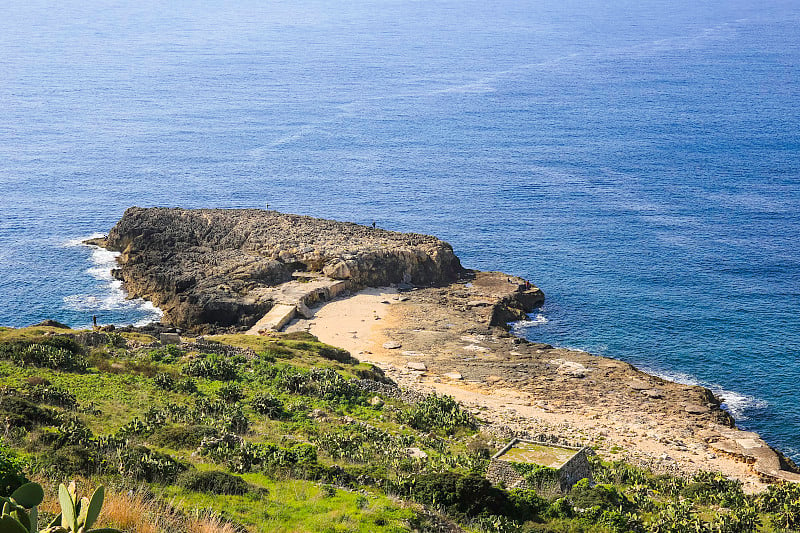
[{"x": 205, "y": 266}]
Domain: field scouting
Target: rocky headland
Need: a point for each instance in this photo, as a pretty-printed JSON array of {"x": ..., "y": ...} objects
[
  {"x": 439, "y": 328},
  {"x": 212, "y": 268}
]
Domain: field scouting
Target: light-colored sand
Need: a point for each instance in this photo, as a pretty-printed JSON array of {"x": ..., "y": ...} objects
[
  {"x": 357, "y": 323},
  {"x": 353, "y": 322}
]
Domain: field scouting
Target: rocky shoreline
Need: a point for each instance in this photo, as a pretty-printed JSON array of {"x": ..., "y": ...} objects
[
  {"x": 209, "y": 268},
  {"x": 213, "y": 270}
]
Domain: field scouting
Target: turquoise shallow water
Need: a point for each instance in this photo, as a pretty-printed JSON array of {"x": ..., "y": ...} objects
[{"x": 640, "y": 161}]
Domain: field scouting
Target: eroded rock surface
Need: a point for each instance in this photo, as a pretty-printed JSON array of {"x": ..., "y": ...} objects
[{"x": 208, "y": 267}]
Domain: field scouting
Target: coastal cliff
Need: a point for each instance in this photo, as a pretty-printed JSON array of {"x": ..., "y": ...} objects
[{"x": 205, "y": 267}]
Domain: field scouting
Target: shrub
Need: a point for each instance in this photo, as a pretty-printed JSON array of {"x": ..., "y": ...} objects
[
  {"x": 230, "y": 393},
  {"x": 527, "y": 504},
  {"x": 48, "y": 356},
  {"x": 213, "y": 482},
  {"x": 144, "y": 464},
  {"x": 362, "y": 443},
  {"x": 186, "y": 385},
  {"x": 23, "y": 413},
  {"x": 167, "y": 354},
  {"x": 51, "y": 395},
  {"x": 584, "y": 496},
  {"x": 11, "y": 472},
  {"x": 182, "y": 437},
  {"x": 784, "y": 501},
  {"x": 211, "y": 367},
  {"x": 134, "y": 427},
  {"x": 164, "y": 381},
  {"x": 268, "y": 405},
  {"x": 437, "y": 413},
  {"x": 460, "y": 495},
  {"x": 71, "y": 460}
]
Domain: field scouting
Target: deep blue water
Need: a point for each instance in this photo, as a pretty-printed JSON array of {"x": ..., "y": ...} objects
[{"x": 640, "y": 161}]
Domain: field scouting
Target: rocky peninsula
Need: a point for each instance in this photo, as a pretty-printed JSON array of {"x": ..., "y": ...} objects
[
  {"x": 212, "y": 268},
  {"x": 405, "y": 303}
]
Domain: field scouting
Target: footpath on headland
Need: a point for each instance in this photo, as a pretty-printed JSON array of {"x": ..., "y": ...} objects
[{"x": 404, "y": 303}]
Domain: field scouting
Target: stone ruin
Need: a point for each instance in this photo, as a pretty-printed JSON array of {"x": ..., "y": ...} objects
[{"x": 569, "y": 465}]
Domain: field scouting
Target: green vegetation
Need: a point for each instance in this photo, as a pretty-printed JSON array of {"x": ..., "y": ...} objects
[{"x": 280, "y": 435}]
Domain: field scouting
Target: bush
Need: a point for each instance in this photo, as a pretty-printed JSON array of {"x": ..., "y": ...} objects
[
  {"x": 167, "y": 354},
  {"x": 268, "y": 405},
  {"x": 211, "y": 367},
  {"x": 527, "y": 504},
  {"x": 164, "y": 381},
  {"x": 187, "y": 385},
  {"x": 182, "y": 437},
  {"x": 23, "y": 413},
  {"x": 437, "y": 413},
  {"x": 144, "y": 464},
  {"x": 230, "y": 393},
  {"x": 45, "y": 355},
  {"x": 584, "y": 496},
  {"x": 69, "y": 461},
  {"x": 213, "y": 482},
  {"x": 460, "y": 495},
  {"x": 51, "y": 395},
  {"x": 11, "y": 472}
]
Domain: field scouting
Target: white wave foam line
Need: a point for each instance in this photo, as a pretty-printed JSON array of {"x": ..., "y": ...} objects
[
  {"x": 736, "y": 403},
  {"x": 113, "y": 297},
  {"x": 79, "y": 241},
  {"x": 520, "y": 327}
]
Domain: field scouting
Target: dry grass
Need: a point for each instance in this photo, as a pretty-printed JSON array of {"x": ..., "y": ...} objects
[
  {"x": 209, "y": 524},
  {"x": 137, "y": 512},
  {"x": 130, "y": 512}
]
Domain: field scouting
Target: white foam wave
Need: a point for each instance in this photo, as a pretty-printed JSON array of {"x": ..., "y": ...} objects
[
  {"x": 736, "y": 403},
  {"x": 521, "y": 325},
  {"x": 79, "y": 241},
  {"x": 110, "y": 296}
]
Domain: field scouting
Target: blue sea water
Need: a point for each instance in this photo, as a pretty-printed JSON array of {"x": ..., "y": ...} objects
[{"x": 639, "y": 161}]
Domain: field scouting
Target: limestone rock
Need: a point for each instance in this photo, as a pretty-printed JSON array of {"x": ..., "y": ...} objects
[
  {"x": 202, "y": 267},
  {"x": 417, "y": 366},
  {"x": 391, "y": 345}
]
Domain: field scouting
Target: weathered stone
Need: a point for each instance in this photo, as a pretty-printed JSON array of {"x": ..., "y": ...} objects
[
  {"x": 453, "y": 375},
  {"x": 391, "y": 345},
  {"x": 200, "y": 267},
  {"x": 170, "y": 338},
  {"x": 636, "y": 384},
  {"x": 417, "y": 366},
  {"x": 376, "y": 401},
  {"x": 695, "y": 409},
  {"x": 416, "y": 453}
]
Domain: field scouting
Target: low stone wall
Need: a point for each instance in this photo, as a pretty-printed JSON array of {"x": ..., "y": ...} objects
[{"x": 573, "y": 470}]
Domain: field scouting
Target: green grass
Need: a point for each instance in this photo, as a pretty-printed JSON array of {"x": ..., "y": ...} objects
[
  {"x": 540, "y": 454},
  {"x": 295, "y": 505},
  {"x": 356, "y": 444}
]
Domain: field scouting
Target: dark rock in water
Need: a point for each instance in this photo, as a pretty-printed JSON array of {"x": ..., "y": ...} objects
[
  {"x": 51, "y": 324},
  {"x": 206, "y": 266}
]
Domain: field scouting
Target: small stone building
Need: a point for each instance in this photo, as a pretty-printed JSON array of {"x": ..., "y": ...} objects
[{"x": 559, "y": 466}]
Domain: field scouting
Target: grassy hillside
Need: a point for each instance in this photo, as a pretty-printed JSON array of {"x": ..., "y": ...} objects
[{"x": 285, "y": 433}]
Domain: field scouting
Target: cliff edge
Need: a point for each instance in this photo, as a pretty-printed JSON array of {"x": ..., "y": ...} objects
[{"x": 214, "y": 267}]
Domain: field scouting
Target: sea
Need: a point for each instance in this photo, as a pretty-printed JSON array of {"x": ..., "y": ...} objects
[{"x": 637, "y": 160}]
